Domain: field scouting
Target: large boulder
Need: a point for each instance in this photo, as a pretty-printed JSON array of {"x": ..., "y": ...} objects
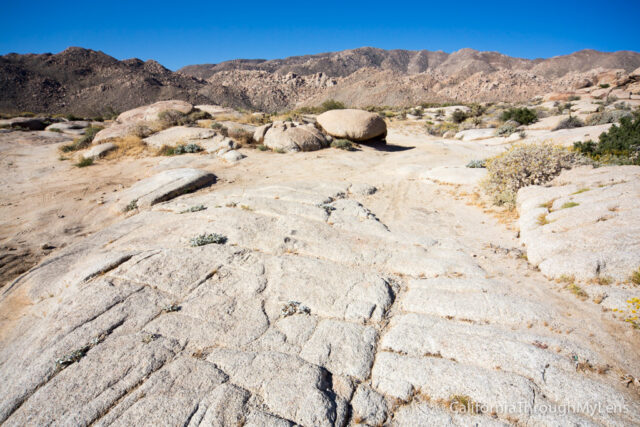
[
  {"x": 292, "y": 136},
  {"x": 122, "y": 130},
  {"x": 210, "y": 140},
  {"x": 355, "y": 125},
  {"x": 150, "y": 113}
]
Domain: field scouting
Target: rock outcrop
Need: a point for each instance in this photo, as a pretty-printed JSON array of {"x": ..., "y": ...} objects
[{"x": 290, "y": 137}]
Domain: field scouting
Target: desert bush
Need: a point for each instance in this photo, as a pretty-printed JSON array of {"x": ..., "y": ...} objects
[
  {"x": 459, "y": 116},
  {"x": 262, "y": 147},
  {"x": 604, "y": 85},
  {"x": 570, "y": 123},
  {"x": 343, "y": 144},
  {"x": 604, "y": 117},
  {"x": 574, "y": 98},
  {"x": 619, "y": 145},
  {"x": 440, "y": 129},
  {"x": 167, "y": 150},
  {"x": 241, "y": 136},
  {"x": 84, "y": 141},
  {"x": 331, "y": 104},
  {"x": 524, "y": 115},
  {"x": 622, "y": 106},
  {"x": 169, "y": 118},
  {"x": 83, "y": 163},
  {"x": 507, "y": 128},
  {"x": 526, "y": 164}
]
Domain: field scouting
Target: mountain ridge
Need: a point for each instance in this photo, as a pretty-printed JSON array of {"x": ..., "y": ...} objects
[{"x": 85, "y": 81}]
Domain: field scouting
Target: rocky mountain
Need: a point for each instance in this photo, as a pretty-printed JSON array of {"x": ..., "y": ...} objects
[{"x": 83, "y": 81}]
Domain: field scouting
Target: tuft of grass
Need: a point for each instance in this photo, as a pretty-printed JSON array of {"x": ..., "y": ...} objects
[
  {"x": 84, "y": 141},
  {"x": 207, "y": 239},
  {"x": 580, "y": 191},
  {"x": 343, "y": 144},
  {"x": 464, "y": 404},
  {"x": 604, "y": 85},
  {"x": 196, "y": 208},
  {"x": 262, "y": 147},
  {"x": 84, "y": 162},
  {"x": 569, "y": 205},
  {"x": 548, "y": 205},
  {"x": 577, "y": 291},
  {"x": 131, "y": 206},
  {"x": 566, "y": 279},
  {"x": 635, "y": 277},
  {"x": 542, "y": 219},
  {"x": 279, "y": 150}
]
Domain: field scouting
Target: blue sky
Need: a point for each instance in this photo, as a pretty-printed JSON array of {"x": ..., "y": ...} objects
[{"x": 190, "y": 32}]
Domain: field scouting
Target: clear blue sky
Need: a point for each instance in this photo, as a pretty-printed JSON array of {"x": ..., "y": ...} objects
[{"x": 178, "y": 33}]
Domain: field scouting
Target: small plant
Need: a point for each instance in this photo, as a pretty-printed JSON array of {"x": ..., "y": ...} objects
[
  {"x": 207, "y": 239},
  {"x": 574, "y": 98},
  {"x": 604, "y": 85},
  {"x": 569, "y": 123},
  {"x": 171, "y": 308},
  {"x": 262, "y": 147},
  {"x": 548, "y": 205},
  {"x": 506, "y": 129},
  {"x": 293, "y": 307},
  {"x": 569, "y": 205},
  {"x": 635, "y": 277},
  {"x": 580, "y": 191},
  {"x": 196, "y": 208},
  {"x": 633, "y": 308},
  {"x": 55, "y": 130},
  {"x": 577, "y": 291},
  {"x": 542, "y": 219},
  {"x": 476, "y": 164},
  {"x": 86, "y": 161},
  {"x": 82, "y": 142},
  {"x": 78, "y": 354},
  {"x": 147, "y": 338},
  {"x": 464, "y": 404},
  {"x": 343, "y": 144},
  {"x": 169, "y": 118},
  {"x": 188, "y": 148},
  {"x": 131, "y": 206},
  {"x": 524, "y": 116},
  {"x": 280, "y": 150}
]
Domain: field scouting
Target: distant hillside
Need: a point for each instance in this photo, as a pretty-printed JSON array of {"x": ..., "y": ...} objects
[{"x": 83, "y": 81}]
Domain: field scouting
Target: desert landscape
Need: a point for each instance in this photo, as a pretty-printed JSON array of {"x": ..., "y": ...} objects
[{"x": 364, "y": 237}]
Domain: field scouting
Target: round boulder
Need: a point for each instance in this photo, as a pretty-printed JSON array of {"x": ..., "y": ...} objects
[
  {"x": 293, "y": 136},
  {"x": 355, "y": 125}
]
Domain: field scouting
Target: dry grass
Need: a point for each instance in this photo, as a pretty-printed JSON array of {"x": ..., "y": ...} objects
[
  {"x": 577, "y": 291},
  {"x": 130, "y": 146}
]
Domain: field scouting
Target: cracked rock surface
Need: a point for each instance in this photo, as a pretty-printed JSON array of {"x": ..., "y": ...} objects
[{"x": 331, "y": 303}]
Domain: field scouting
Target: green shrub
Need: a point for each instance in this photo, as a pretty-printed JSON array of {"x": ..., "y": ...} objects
[
  {"x": 85, "y": 162},
  {"x": 331, "y": 104},
  {"x": 620, "y": 145},
  {"x": 262, "y": 147},
  {"x": 459, "y": 116},
  {"x": 343, "y": 144},
  {"x": 524, "y": 115},
  {"x": 196, "y": 208},
  {"x": 207, "y": 239},
  {"x": 570, "y": 123},
  {"x": 167, "y": 150},
  {"x": 523, "y": 165},
  {"x": 84, "y": 141},
  {"x": 604, "y": 85}
]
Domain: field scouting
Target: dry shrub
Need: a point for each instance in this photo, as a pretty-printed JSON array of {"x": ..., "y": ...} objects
[
  {"x": 130, "y": 146},
  {"x": 241, "y": 136},
  {"x": 526, "y": 164}
]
